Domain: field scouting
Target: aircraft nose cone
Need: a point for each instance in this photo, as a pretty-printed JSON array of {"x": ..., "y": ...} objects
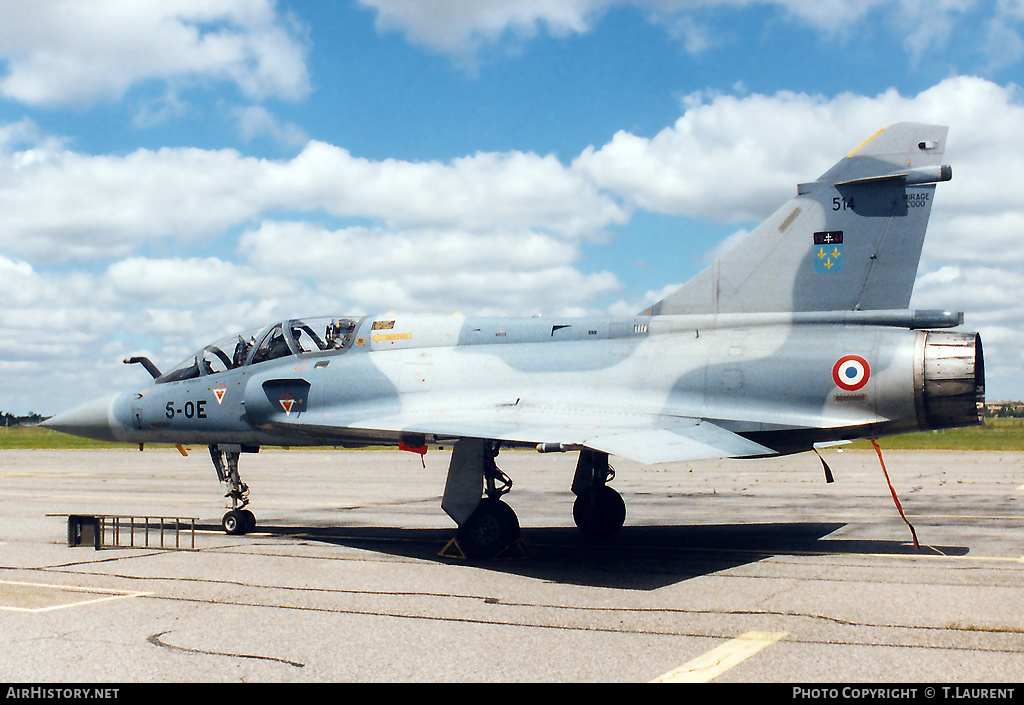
[{"x": 89, "y": 420}]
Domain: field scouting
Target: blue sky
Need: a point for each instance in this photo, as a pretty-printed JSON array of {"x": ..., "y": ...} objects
[{"x": 173, "y": 171}]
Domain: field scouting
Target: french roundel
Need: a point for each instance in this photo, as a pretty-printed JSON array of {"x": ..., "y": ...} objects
[{"x": 851, "y": 372}]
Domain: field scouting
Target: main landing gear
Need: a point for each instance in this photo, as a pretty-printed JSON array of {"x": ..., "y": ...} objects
[
  {"x": 598, "y": 510},
  {"x": 488, "y": 526},
  {"x": 238, "y": 520}
]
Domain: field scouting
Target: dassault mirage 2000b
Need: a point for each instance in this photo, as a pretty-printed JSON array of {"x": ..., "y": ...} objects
[{"x": 800, "y": 334}]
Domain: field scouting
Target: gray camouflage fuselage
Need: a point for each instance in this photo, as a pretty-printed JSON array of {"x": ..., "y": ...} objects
[{"x": 766, "y": 377}]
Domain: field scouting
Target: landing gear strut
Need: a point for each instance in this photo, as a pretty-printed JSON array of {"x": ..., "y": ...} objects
[
  {"x": 598, "y": 509},
  {"x": 486, "y": 525},
  {"x": 238, "y": 519}
]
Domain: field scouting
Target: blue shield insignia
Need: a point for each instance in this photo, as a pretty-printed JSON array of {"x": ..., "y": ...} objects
[{"x": 828, "y": 252}]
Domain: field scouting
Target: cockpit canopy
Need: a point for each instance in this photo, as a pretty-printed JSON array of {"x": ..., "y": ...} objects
[{"x": 292, "y": 337}]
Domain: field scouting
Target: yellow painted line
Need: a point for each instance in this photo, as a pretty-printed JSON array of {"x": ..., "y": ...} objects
[
  {"x": 717, "y": 661},
  {"x": 862, "y": 144}
]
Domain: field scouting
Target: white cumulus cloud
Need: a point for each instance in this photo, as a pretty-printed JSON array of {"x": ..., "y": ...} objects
[{"x": 65, "y": 51}]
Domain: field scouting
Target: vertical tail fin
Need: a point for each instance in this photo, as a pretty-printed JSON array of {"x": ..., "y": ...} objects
[{"x": 849, "y": 241}]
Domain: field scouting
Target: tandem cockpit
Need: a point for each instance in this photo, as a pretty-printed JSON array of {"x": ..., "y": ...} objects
[{"x": 252, "y": 347}]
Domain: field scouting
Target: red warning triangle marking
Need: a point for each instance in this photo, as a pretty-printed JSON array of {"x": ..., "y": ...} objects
[
  {"x": 287, "y": 403},
  {"x": 219, "y": 392}
]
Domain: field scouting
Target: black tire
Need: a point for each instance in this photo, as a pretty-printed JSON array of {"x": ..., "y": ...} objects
[
  {"x": 599, "y": 512},
  {"x": 489, "y": 530},
  {"x": 249, "y": 521}
]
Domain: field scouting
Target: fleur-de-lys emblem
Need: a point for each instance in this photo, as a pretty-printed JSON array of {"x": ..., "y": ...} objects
[{"x": 828, "y": 252}]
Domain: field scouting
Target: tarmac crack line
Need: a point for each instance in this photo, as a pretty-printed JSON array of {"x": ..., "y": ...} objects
[
  {"x": 155, "y": 640},
  {"x": 623, "y": 630}
]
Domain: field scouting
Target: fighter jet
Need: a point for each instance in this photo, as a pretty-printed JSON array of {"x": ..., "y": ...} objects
[{"x": 798, "y": 335}]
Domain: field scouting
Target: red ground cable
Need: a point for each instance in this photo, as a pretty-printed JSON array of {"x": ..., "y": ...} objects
[{"x": 894, "y": 497}]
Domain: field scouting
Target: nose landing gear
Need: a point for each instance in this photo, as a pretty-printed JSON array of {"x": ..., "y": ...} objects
[{"x": 238, "y": 520}]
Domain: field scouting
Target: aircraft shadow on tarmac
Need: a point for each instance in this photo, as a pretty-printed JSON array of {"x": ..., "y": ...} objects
[{"x": 637, "y": 557}]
